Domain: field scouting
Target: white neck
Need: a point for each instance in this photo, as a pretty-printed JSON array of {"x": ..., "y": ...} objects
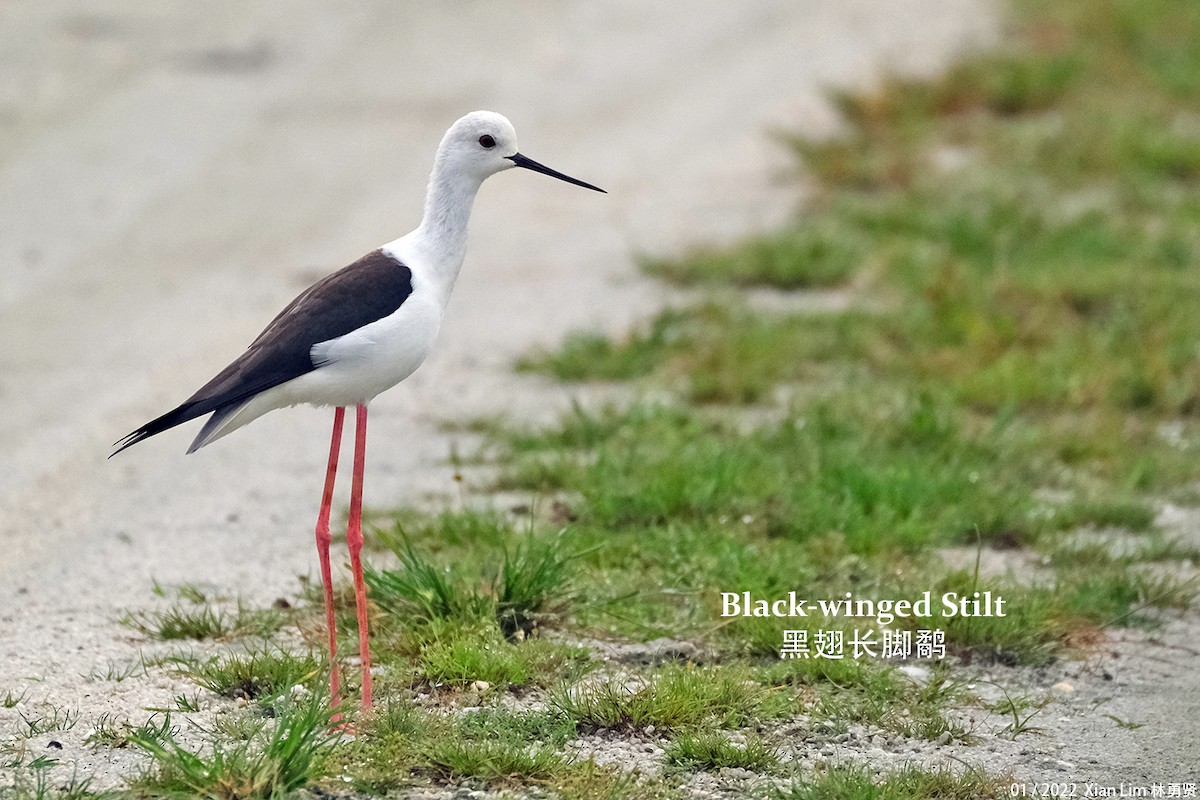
[{"x": 441, "y": 238}]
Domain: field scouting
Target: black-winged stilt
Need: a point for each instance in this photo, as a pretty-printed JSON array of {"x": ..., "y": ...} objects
[{"x": 359, "y": 331}]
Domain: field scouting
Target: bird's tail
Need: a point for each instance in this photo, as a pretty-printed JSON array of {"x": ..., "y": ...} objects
[
  {"x": 216, "y": 427},
  {"x": 176, "y": 416}
]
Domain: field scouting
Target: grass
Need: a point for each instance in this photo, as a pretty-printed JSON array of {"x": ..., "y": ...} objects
[
  {"x": 675, "y": 698},
  {"x": 1016, "y": 237},
  {"x": 466, "y": 657},
  {"x": 490, "y": 746},
  {"x": 712, "y": 352},
  {"x": 714, "y": 751},
  {"x": 678, "y": 498},
  {"x": 476, "y": 620},
  {"x": 1043, "y": 268},
  {"x": 1020, "y": 710},
  {"x": 910, "y": 783},
  {"x": 869, "y": 692},
  {"x": 281, "y": 757},
  {"x": 521, "y": 587},
  {"x": 497, "y": 724},
  {"x": 814, "y": 256},
  {"x": 494, "y": 762},
  {"x": 896, "y": 476},
  {"x": 36, "y": 784},
  {"x": 180, "y": 622},
  {"x": 116, "y": 672},
  {"x": 262, "y": 675},
  {"x": 117, "y": 734},
  {"x": 52, "y": 719}
]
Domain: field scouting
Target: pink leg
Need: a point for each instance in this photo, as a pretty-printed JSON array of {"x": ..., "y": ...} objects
[
  {"x": 354, "y": 541},
  {"x": 323, "y": 540}
]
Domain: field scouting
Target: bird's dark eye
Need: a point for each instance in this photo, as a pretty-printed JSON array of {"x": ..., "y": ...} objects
[{"x": 487, "y": 141}]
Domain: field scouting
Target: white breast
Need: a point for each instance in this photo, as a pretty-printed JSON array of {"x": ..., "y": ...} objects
[{"x": 356, "y": 367}]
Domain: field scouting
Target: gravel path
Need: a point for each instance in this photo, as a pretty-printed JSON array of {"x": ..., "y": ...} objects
[{"x": 172, "y": 173}]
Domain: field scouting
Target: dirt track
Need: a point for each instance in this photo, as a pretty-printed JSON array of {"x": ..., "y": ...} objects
[{"x": 172, "y": 173}]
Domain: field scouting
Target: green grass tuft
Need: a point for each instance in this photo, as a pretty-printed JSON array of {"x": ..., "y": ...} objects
[
  {"x": 818, "y": 256},
  {"x": 282, "y": 757},
  {"x": 204, "y": 622},
  {"x": 117, "y": 734},
  {"x": 261, "y": 675},
  {"x": 903, "y": 475},
  {"x": 714, "y": 751},
  {"x": 673, "y": 699},
  {"x": 523, "y": 588},
  {"x": 910, "y": 783},
  {"x": 495, "y": 762},
  {"x": 465, "y": 656}
]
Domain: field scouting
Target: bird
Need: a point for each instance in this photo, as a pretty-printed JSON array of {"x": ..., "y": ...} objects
[{"x": 354, "y": 334}]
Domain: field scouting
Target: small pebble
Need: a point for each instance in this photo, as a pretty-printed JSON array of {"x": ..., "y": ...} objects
[{"x": 1063, "y": 686}]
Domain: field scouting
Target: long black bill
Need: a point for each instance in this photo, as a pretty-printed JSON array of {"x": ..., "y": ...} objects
[{"x": 529, "y": 163}]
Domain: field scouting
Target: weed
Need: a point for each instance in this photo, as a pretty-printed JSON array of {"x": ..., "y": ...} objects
[
  {"x": 493, "y": 761},
  {"x": 673, "y": 699},
  {"x": 815, "y": 256},
  {"x": 282, "y": 757},
  {"x": 713, "y": 751},
  {"x": 904, "y": 474},
  {"x": 187, "y": 705},
  {"x": 117, "y": 673},
  {"x": 257, "y": 675},
  {"x": 464, "y": 656},
  {"x": 910, "y": 783},
  {"x": 204, "y": 622},
  {"x": 533, "y": 579},
  {"x": 35, "y": 783},
  {"x": 420, "y": 591},
  {"x": 495, "y": 724},
  {"x": 529, "y": 585},
  {"x": 1125, "y": 724},
  {"x": 116, "y": 734},
  {"x": 55, "y": 719},
  {"x": 1020, "y": 710}
]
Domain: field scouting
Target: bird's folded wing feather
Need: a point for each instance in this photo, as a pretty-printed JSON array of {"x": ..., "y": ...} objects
[{"x": 356, "y": 295}]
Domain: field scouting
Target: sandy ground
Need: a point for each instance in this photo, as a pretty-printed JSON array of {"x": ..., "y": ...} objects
[{"x": 173, "y": 173}]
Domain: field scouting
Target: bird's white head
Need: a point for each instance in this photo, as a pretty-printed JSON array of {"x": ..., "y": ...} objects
[
  {"x": 476, "y": 147},
  {"x": 483, "y": 143}
]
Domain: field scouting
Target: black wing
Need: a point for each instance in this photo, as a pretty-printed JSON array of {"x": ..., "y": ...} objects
[{"x": 367, "y": 290}]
